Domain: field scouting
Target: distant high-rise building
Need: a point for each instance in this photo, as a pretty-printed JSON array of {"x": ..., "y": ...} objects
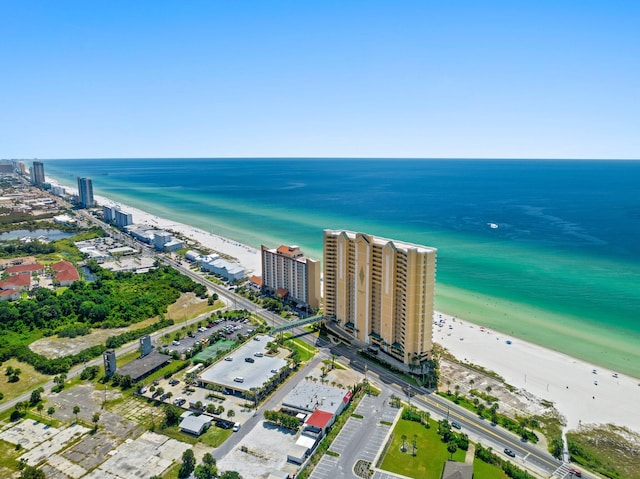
[
  {"x": 381, "y": 291},
  {"x": 85, "y": 192},
  {"x": 288, "y": 269},
  {"x": 37, "y": 173}
]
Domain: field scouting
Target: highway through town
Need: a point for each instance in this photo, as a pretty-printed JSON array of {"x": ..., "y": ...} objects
[{"x": 478, "y": 429}]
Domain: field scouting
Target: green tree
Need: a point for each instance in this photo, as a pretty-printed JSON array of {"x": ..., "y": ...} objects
[
  {"x": 36, "y": 396},
  {"x": 188, "y": 464},
  {"x": 171, "y": 415},
  {"x": 414, "y": 443},
  {"x": 51, "y": 411},
  {"x": 452, "y": 447},
  {"x": 207, "y": 469},
  {"x": 404, "y": 440},
  {"x": 95, "y": 419},
  {"x": 231, "y": 413},
  {"x": 230, "y": 475},
  {"x": 76, "y": 410},
  {"x": 15, "y": 377},
  {"x": 30, "y": 472}
]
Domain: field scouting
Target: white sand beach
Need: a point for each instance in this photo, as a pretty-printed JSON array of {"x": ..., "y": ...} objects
[
  {"x": 246, "y": 256},
  {"x": 569, "y": 383},
  {"x": 583, "y": 393}
]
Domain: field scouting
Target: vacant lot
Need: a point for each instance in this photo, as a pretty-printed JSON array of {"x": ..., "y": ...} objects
[{"x": 186, "y": 307}]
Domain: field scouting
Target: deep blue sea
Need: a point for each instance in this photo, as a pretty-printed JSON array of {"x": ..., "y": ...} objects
[{"x": 562, "y": 268}]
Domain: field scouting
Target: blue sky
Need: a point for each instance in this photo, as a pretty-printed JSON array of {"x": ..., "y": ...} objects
[{"x": 448, "y": 79}]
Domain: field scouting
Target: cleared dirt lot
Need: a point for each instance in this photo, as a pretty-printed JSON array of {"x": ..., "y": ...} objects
[{"x": 266, "y": 451}]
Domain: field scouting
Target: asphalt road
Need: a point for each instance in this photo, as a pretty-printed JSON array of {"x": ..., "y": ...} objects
[{"x": 479, "y": 430}]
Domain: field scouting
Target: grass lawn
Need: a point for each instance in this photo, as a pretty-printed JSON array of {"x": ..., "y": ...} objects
[
  {"x": 431, "y": 452},
  {"x": 29, "y": 379},
  {"x": 189, "y": 306},
  {"x": 8, "y": 458},
  {"x": 482, "y": 470},
  {"x": 215, "y": 436},
  {"x": 305, "y": 350}
]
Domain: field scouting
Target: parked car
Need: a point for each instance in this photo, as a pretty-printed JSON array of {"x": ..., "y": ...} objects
[
  {"x": 258, "y": 354},
  {"x": 250, "y": 360}
]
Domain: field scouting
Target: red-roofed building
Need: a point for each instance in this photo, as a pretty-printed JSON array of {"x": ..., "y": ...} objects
[
  {"x": 9, "y": 295},
  {"x": 255, "y": 281},
  {"x": 319, "y": 421},
  {"x": 18, "y": 282},
  {"x": 25, "y": 268},
  {"x": 5, "y": 263},
  {"x": 65, "y": 272}
]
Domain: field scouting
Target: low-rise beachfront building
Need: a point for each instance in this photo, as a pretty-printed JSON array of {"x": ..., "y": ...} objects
[
  {"x": 287, "y": 268},
  {"x": 193, "y": 256},
  {"x": 142, "y": 233},
  {"x": 226, "y": 269},
  {"x": 161, "y": 238},
  {"x": 381, "y": 292},
  {"x": 173, "y": 245}
]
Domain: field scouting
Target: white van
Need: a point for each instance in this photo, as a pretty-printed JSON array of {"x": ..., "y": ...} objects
[
  {"x": 238, "y": 379},
  {"x": 236, "y": 427}
]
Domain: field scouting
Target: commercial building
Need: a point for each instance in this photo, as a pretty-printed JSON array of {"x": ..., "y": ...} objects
[
  {"x": 381, "y": 292},
  {"x": 226, "y": 269},
  {"x": 287, "y": 269},
  {"x": 37, "y": 173},
  {"x": 85, "y": 192}
]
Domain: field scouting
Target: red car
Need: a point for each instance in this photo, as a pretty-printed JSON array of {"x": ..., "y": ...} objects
[{"x": 575, "y": 471}]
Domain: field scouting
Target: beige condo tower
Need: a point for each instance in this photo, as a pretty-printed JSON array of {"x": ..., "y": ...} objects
[{"x": 381, "y": 291}]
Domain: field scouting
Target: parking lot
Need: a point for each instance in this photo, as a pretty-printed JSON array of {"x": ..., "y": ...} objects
[
  {"x": 203, "y": 335},
  {"x": 359, "y": 439},
  {"x": 247, "y": 367}
]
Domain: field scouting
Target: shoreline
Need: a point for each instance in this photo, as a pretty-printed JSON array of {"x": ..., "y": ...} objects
[{"x": 565, "y": 380}]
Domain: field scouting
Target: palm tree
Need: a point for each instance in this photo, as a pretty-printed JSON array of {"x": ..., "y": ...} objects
[
  {"x": 414, "y": 443},
  {"x": 404, "y": 438}
]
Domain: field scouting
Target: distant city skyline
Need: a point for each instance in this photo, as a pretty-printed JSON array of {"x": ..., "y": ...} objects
[{"x": 415, "y": 79}]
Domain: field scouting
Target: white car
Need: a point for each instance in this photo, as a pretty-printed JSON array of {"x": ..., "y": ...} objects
[{"x": 228, "y": 358}]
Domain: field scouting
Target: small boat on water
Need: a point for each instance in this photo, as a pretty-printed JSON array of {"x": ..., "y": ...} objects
[{"x": 493, "y": 226}]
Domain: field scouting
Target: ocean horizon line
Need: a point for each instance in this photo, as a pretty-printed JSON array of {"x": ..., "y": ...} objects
[{"x": 334, "y": 158}]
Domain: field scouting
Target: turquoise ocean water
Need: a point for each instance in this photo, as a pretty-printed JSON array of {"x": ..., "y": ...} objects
[{"x": 562, "y": 268}]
